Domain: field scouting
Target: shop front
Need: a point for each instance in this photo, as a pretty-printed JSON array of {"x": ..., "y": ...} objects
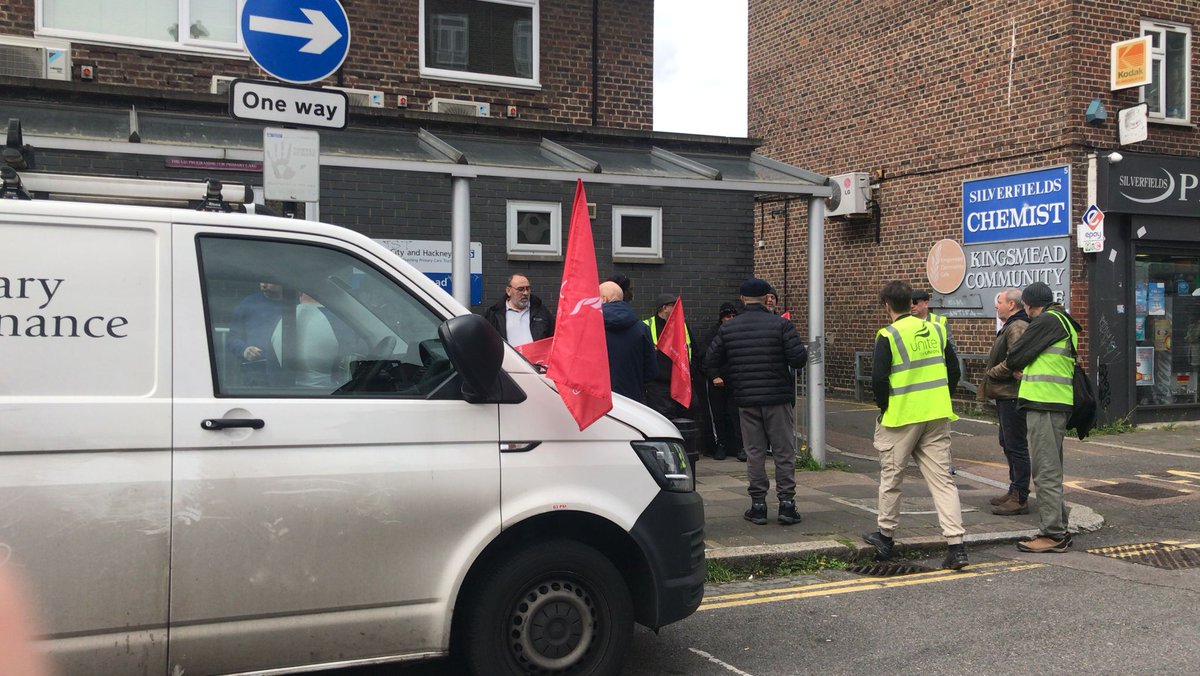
[{"x": 1145, "y": 288}]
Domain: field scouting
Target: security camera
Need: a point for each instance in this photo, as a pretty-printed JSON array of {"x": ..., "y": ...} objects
[{"x": 1115, "y": 157}]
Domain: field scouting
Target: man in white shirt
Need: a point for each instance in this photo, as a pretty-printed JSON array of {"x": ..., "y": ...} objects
[{"x": 521, "y": 317}]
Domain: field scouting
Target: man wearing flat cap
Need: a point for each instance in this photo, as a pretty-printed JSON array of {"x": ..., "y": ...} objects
[
  {"x": 753, "y": 354},
  {"x": 658, "y": 391},
  {"x": 920, "y": 310},
  {"x": 1044, "y": 359}
]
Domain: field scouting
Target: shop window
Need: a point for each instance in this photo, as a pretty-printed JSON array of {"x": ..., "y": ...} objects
[
  {"x": 1168, "y": 95},
  {"x": 637, "y": 233},
  {"x": 1167, "y": 328},
  {"x": 200, "y": 25},
  {"x": 488, "y": 41},
  {"x": 534, "y": 229}
]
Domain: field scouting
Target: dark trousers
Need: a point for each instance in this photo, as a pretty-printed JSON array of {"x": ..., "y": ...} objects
[
  {"x": 770, "y": 427},
  {"x": 658, "y": 397},
  {"x": 726, "y": 426},
  {"x": 1015, "y": 443}
]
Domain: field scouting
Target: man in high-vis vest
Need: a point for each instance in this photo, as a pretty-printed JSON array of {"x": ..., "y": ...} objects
[
  {"x": 914, "y": 369},
  {"x": 1044, "y": 358},
  {"x": 920, "y": 310}
]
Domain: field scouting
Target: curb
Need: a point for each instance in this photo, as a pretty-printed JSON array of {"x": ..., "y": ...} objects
[{"x": 760, "y": 554}]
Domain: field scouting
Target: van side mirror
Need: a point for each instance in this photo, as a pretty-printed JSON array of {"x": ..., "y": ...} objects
[{"x": 477, "y": 352}]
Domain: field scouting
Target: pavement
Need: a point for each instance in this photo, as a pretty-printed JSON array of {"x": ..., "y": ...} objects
[{"x": 838, "y": 506}]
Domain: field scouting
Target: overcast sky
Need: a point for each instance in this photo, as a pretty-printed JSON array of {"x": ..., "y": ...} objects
[{"x": 700, "y": 66}]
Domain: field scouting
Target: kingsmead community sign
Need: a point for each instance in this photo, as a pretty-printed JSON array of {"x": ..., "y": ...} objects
[{"x": 1016, "y": 231}]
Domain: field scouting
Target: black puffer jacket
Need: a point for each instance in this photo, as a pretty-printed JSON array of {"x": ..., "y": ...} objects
[{"x": 753, "y": 353}]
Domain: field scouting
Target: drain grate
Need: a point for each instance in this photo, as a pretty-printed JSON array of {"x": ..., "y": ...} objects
[
  {"x": 888, "y": 569},
  {"x": 1137, "y": 491},
  {"x": 1170, "y": 555}
]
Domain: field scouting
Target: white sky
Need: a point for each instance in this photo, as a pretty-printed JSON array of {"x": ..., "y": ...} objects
[{"x": 700, "y": 66}]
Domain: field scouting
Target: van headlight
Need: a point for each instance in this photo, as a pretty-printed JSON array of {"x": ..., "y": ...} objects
[{"x": 668, "y": 464}]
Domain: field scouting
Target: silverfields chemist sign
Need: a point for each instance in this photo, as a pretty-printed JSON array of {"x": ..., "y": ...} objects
[{"x": 1151, "y": 184}]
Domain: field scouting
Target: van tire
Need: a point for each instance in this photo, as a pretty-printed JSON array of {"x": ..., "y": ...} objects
[{"x": 557, "y": 607}]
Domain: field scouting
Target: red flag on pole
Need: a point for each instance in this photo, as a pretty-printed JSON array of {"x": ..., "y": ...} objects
[
  {"x": 538, "y": 351},
  {"x": 579, "y": 358},
  {"x": 673, "y": 343}
]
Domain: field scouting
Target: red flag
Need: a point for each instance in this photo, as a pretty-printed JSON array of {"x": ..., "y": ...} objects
[
  {"x": 673, "y": 343},
  {"x": 787, "y": 316},
  {"x": 579, "y": 358},
  {"x": 538, "y": 351}
]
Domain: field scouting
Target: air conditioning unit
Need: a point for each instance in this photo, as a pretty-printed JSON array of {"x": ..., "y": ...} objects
[
  {"x": 26, "y": 57},
  {"x": 856, "y": 194},
  {"x": 220, "y": 84},
  {"x": 362, "y": 98},
  {"x": 467, "y": 108}
]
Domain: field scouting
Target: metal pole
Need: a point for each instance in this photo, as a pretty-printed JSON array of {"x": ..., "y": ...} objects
[
  {"x": 816, "y": 329},
  {"x": 460, "y": 239}
]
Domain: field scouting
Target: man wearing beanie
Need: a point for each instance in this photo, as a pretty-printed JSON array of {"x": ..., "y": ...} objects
[
  {"x": 753, "y": 352},
  {"x": 913, "y": 370},
  {"x": 1045, "y": 361}
]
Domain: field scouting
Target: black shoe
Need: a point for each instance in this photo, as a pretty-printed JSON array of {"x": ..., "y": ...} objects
[
  {"x": 718, "y": 453},
  {"x": 787, "y": 513},
  {"x": 883, "y": 545},
  {"x": 956, "y": 557},
  {"x": 757, "y": 514},
  {"x": 741, "y": 456}
]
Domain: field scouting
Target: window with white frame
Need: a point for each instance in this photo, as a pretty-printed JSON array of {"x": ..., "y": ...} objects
[
  {"x": 534, "y": 228},
  {"x": 493, "y": 41},
  {"x": 203, "y": 25},
  {"x": 637, "y": 232},
  {"x": 1168, "y": 96}
]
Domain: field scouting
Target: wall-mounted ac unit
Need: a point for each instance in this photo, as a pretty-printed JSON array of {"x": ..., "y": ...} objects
[
  {"x": 856, "y": 193},
  {"x": 26, "y": 57},
  {"x": 467, "y": 108},
  {"x": 220, "y": 84},
  {"x": 362, "y": 98}
]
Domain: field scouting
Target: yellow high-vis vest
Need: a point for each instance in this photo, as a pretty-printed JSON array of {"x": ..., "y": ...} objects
[
  {"x": 919, "y": 384},
  {"x": 687, "y": 335},
  {"x": 1048, "y": 379}
]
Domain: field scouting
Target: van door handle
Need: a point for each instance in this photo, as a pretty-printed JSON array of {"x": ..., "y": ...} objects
[{"x": 227, "y": 423}]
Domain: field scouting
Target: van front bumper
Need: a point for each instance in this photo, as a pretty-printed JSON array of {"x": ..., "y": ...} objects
[{"x": 670, "y": 533}]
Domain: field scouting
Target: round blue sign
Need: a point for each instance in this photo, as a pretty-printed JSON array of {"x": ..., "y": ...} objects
[{"x": 293, "y": 43}]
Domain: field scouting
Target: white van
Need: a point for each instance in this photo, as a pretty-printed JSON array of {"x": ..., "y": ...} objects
[{"x": 381, "y": 479}]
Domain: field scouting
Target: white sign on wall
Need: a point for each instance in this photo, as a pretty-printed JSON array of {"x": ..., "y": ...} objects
[
  {"x": 432, "y": 257},
  {"x": 291, "y": 165}
]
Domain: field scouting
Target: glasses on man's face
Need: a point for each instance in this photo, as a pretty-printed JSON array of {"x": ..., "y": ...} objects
[{"x": 521, "y": 289}]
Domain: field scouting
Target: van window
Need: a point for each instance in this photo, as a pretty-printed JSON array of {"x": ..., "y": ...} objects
[{"x": 300, "y": 320}]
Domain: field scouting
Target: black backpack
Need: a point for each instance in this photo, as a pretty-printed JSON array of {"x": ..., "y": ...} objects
[{"x": 1083, "y": 409}]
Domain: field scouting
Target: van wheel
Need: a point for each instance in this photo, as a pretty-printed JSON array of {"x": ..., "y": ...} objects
[{"x": 555, "y": 608}]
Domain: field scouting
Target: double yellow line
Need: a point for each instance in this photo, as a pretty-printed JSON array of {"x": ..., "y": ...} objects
[{"x": 861, "y": 584}]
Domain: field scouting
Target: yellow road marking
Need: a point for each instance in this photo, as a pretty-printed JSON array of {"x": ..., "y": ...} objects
[{"x": 861, "y": 584}]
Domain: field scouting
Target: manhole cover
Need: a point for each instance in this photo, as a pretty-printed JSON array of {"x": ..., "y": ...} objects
[
  {"x": 1137, "y": 491},
  {"x": 887, "y": 569},
  {"x": 1165, "y": 555}
]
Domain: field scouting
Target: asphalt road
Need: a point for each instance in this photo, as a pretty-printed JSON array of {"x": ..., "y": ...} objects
[{"x": 1007, "y": 613}]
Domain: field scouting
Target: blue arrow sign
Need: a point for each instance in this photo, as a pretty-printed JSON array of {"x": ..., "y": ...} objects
[{"x": 293, "y": 43}]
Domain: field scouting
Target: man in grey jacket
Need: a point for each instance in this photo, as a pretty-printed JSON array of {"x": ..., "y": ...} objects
[{"x": 999, "y": 384}]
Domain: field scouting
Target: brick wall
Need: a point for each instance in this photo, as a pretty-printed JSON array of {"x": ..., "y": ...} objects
[
  {"x": 384, "y": 55},
  {"x": 926, "y": 95}
]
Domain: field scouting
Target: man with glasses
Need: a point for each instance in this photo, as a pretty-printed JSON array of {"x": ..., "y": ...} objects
[{"x": 521, "y": 317}]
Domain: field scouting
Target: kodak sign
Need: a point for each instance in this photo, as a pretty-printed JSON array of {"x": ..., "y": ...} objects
[{"x": 1130, "y": 64}]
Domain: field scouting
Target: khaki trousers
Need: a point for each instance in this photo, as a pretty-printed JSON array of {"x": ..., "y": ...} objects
[{"x": 928, "y": 443}]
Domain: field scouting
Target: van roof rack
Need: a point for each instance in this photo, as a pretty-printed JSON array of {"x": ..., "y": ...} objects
[{"x": 205, "y": 195}]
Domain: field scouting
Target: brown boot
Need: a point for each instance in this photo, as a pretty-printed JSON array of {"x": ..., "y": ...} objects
[
  {"x": 1003, "y": 498},
  {"x": 1012, "y": 506}
]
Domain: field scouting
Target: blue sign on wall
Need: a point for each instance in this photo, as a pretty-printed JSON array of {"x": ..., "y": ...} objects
[
  {"x": 1017, "y": 206},
  {"x": 293, "y": 43},
  {"x": 442, "y": 279}
]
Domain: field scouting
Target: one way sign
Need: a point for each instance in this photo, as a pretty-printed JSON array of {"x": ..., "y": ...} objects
[{"x": 293, "y": 43}]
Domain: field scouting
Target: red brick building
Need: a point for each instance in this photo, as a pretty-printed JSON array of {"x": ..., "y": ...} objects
[
  {"x": 948, "y": 107},
  {"x": 511, "y": 100}
]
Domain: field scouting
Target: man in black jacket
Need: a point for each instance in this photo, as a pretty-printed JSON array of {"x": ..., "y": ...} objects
[
  {"x": 521, "y": 317},
  {"x": 718, "y": 401},
  {"x": 632, "y": 361},
  {"x": 754, "y": 351}
]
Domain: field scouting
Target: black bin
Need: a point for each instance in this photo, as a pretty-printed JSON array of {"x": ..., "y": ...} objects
[{"x": 690, "y": 431}]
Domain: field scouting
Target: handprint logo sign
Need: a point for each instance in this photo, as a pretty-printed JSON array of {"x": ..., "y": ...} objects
[{"x": 291, "y": 165}]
